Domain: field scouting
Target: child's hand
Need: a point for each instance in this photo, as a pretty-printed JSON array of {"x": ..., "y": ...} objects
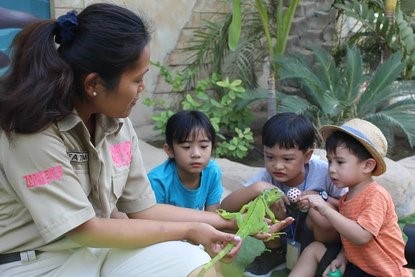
[
  {"x": 316, "y": 202},
  {"x": 338, "y": 263},
  {"x": 278, "y": 208}
]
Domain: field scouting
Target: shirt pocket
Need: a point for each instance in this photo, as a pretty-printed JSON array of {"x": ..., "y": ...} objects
[
  {"x": 83, "y": 176},
  {"x": 118, "y": 181}
]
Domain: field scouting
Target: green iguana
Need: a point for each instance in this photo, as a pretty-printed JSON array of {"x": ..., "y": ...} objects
[{"x": 250, "y": 221}]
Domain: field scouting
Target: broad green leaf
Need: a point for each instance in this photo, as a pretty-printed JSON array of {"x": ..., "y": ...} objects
[{"x": 235, "y": 26}]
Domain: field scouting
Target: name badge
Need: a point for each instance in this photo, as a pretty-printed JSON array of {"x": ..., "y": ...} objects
[{"x": 293, "y": 253}]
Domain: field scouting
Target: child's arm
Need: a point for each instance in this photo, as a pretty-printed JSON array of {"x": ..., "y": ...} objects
[
  {"x": 348, "y": 228},
  {"x": 236, "y": 199},
  {"x": 212, "y": 208}
]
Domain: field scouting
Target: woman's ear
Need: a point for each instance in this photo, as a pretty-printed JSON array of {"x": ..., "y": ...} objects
[
  {"x": 169, "y": 151},
  {"x": 369, "y": 165},
  {"x": 92, "y": 84}
]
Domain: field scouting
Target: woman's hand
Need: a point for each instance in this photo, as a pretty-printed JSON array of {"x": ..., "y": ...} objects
[
  {"x": 214, "y": 241},
  {"x": 274, "y": 228}
]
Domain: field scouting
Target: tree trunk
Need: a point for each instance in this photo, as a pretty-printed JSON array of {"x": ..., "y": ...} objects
[
  {"x": 272, "y": 97},
  {"x": 390, "y": 6}
]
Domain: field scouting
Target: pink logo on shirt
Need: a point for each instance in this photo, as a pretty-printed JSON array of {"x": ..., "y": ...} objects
[
  {"x": 44, "y": 177},
  {"x": 121, "y": 153}
]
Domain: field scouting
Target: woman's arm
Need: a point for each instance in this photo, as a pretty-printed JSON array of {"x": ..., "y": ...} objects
[
  {"x": 164, "y": 212},
  {"x": 137, "y": 233},
  {"x": 174, "y": 223}
]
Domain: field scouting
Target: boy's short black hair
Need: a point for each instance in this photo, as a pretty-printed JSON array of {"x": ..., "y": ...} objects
[
  {"x": 289, "y": 130},
  {"x": 338, "y": 138}
]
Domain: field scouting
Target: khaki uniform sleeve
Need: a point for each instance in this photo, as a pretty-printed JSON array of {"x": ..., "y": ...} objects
[
  {"x": 38, "y": 170},
  {"x": 138, "y": 194}
]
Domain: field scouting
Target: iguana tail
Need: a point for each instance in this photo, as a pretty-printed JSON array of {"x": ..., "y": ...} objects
[{"x": 215, "y": 259}]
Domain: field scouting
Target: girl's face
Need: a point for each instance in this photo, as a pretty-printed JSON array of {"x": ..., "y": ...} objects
[
  {"x": 192, "y": 155},
  {"x": 345, "y": 169},
  {"x": 119, "y": 101},
  {"x": 286, "y": 165}
]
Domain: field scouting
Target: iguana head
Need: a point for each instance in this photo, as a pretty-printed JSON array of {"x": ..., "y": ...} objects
[{"x": 272, "y": 195}]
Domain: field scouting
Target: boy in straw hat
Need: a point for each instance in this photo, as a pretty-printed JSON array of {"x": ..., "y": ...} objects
[{"x": 372, "y": 243}]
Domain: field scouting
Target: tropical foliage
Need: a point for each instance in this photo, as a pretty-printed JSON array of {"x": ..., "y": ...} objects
[
  {"x": 276, "y": 28},
  {"x": 332, "y": 93},
  {"x": 225, "y": 102},
  {"x": 377, "y": 35}
]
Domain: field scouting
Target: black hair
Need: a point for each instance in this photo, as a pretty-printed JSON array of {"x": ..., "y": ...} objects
[
  {"x": 181, "y": 124},
  {"x": 43, "y": 81},
  {"x": 289, "y": 130},
  {"x": 338, "y": 138}
]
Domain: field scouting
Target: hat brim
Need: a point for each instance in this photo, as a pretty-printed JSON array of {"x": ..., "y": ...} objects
[{"x": 327, "y": 130}]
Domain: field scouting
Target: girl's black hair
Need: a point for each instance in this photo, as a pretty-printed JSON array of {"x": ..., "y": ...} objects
[
  {"x": 181, "y": 125},
  {"x": 43, "y": 81},
  {"x": 289, "y": 130},
  {"x": 339, "y": 138}
]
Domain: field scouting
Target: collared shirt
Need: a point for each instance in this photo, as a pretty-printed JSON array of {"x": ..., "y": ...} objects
[{"x": 54, "y": 180}]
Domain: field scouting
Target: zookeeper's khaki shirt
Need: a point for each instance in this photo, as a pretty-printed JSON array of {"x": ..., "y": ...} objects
[{"x": 55, "y": 180}]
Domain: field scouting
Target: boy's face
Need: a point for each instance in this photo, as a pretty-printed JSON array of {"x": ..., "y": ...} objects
[
  {"x": 286, "y": 165},
  {"x": 345, "y": 168}
]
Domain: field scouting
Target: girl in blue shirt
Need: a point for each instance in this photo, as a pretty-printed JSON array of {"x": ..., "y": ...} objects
[{"x": 189, "y": 177}]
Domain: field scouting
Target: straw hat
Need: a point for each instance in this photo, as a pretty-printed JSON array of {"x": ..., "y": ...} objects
[{"x": 370, "y": 136}]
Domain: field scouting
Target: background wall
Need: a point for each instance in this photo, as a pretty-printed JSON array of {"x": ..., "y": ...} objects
[{"x": 174, "y": 23}]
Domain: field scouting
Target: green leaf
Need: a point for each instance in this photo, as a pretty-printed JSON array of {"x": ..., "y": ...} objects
[
  {"x": 353, "y": 74},
  {"x": 235, "y": 26},
  {"x": 384, "y": 75}
]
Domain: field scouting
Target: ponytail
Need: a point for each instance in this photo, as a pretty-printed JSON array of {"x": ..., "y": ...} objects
[
  {"x": 36, "y": 89},
  {"x": 43, "y": 81}
]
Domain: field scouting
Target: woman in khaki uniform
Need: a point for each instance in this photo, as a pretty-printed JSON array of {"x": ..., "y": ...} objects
[{"x": 69, "y": 156}]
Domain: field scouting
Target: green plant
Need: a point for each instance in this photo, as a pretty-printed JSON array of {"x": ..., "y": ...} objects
[
  {"x": 276, "y": 28},
  {"x": 333, "y": 93},
  {"x": 378, "y": 35},
  {"x": 255, "y": 31},
  {"x": 209, "y": 49},
  {"x": 225, "y": 102}
]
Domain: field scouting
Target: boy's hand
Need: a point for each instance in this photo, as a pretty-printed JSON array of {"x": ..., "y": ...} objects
[
  {"x": 278, "y": 208},
  {"x": 339, "y": 262},
  {"x": 316, "y": 202}
]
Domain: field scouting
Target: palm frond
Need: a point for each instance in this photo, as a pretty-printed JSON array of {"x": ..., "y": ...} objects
[
  {"x": 293, "y": 67},
  {"x": 384, "y": 76},
  {"x": 407, "y": 6},
  {"x": 293, "y": 103},
  {"x": 397, "y": 119},
  {"x": 353, "y": 73},
  {"x": 328, "y": 72}
]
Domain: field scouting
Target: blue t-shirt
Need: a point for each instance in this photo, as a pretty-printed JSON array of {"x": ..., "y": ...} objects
[
  {"x": 169, "y": 189},
  {"x": 317, "y": 178}
]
